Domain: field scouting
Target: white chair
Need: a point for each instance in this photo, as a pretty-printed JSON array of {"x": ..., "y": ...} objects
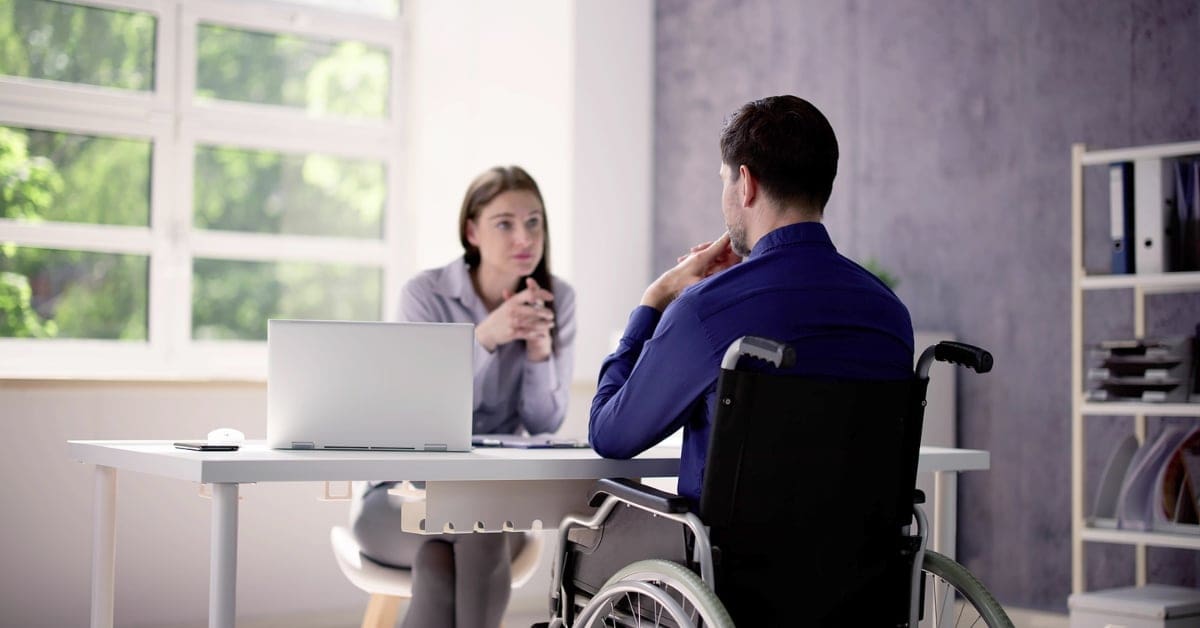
[{"x": 387, "y": 585}]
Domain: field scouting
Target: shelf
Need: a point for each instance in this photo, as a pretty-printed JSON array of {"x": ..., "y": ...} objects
[
  {"x": 1162, "y": 151},
  {"x": 1150, "y": 283},
  {"x": 1118, "y": 408},
  {"x": 1132, "y": 537},
  {"x": 1083, "y": 282}
]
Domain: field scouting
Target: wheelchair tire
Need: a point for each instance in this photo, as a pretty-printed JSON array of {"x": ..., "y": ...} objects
[
  {"x": 942, "y": 574},
  {"x": 653, "y": 590}
]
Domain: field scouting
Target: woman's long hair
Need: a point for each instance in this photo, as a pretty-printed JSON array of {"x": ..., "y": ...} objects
[{"x": 483, "y": 190}]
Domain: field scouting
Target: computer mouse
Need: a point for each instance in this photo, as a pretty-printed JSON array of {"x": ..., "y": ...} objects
[{"x": 226, "y": 436}]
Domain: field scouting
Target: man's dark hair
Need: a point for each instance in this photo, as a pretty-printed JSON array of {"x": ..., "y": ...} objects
[{"x": 788, "y": 145}]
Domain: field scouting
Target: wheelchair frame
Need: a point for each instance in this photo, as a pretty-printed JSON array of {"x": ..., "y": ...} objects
[{"x": 674, "y": 508}]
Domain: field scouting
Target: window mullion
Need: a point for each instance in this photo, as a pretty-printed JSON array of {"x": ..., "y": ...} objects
[
  {"x": 164, "y": 271},
  {"x": 274, "y": 128},
  {"x": 233, "y": 245},
  {"x": 77, "y": 237},
  {"x": 300, "y": 20},
  {"x": 181, "y": 215}
]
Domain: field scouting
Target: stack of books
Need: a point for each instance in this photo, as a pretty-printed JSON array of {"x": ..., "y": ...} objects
[{"x": 1144, "y": 370}]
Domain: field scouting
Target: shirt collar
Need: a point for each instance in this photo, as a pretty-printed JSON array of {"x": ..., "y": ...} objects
[{"x": 799, "y": 233}]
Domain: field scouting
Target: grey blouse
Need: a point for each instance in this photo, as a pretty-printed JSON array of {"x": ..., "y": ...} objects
[{"x": 511, "y": 393}]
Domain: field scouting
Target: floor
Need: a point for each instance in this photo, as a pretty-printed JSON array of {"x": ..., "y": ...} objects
[{"x": 521, "y": 619}]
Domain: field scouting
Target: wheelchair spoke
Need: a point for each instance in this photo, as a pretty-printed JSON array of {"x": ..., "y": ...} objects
[
  {"x": 937, "y": 614},
  {"x": 654, "y": 593},
  {"x": 956, "y": 597}
]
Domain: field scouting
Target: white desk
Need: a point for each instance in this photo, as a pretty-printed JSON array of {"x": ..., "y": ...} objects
[{"x": 483, "y": 490}]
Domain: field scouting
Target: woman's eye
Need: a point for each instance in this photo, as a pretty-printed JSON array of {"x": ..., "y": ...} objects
[
  {"x": 533, "y": 225},
  {"x": 504, "y": 225}
]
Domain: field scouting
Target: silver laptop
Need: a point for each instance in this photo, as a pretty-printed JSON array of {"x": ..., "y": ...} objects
[{"x": 379, "y": 386}]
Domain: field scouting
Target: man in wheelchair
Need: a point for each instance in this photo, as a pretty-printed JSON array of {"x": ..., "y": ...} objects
[{"x": 796, "y": 477}]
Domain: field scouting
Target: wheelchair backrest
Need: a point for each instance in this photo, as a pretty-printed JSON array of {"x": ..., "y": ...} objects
[{"x": 809, "y": 482}]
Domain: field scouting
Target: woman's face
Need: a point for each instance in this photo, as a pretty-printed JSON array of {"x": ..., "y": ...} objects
[{"x": 510, "y": 233}]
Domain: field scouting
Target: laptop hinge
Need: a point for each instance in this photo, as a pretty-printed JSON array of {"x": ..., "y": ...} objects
[
  {"x": 303, "y": 444},
  {"x": 435, "y": 447}
]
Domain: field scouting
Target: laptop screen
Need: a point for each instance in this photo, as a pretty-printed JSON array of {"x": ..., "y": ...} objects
[{"x": 369, "y": 385}]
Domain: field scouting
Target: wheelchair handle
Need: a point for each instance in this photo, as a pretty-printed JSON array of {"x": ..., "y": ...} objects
[
  {"x": 961, "y": 353},
  {"x": 777, "y": 354}
]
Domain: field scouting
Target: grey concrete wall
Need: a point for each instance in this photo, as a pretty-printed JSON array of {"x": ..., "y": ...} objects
[{"x": 955, "y": 119}]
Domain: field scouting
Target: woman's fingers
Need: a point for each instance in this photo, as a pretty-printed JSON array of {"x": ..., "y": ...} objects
[
  {"x": 531, "y": 322},
  {"x": 534, "y": 293}
]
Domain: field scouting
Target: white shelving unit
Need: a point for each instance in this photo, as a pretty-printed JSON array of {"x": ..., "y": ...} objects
[{"x": 1141, "y": 285}]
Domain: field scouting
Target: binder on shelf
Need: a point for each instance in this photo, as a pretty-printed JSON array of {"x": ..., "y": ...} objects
[
  {"x": 1120, "y": 209},
  {"x": 1194, "y": 395},
  {"x": 1193, "y": 224},
  {"x": 1150, "y": 197},
  {"x": 1183, "y": 245}
]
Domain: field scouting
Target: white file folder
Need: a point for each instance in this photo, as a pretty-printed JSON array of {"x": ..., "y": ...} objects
[{"x": 1150, "y": 203}]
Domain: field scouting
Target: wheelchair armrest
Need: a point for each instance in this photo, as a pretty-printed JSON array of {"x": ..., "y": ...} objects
[
  {"x": 918, "y": 496},
  {"x": 639, "y": 494}
]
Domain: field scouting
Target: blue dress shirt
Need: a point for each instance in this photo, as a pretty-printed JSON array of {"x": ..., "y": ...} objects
[{"x": 793, "y": 287}]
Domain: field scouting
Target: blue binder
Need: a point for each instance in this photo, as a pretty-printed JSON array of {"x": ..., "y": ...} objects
[{"x": 1121, "y": 217}]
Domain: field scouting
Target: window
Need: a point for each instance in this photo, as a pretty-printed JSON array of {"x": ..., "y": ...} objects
[{"x": 173, "y": 173}]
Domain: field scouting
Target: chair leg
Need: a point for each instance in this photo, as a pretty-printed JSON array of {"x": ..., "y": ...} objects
[{"x": 381, "y": 611}]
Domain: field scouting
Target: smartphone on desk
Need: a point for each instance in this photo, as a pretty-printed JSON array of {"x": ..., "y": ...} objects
[{"x": 203, "y": 446}]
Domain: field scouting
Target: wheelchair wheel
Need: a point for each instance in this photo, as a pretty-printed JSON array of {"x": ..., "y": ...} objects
[
  {"x": 655, "y": 593},
  {"x": 957, "y": 596}
]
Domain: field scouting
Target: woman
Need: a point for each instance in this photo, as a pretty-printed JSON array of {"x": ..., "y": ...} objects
[{"x": 524, "y": 335}]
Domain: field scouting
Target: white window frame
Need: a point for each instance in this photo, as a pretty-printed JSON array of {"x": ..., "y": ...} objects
[{"x": 176, "y": 123}]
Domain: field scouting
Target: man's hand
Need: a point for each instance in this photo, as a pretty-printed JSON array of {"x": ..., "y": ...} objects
[
  {"x": 703, "y": 260},
  {"x": 522, "y": 316}
]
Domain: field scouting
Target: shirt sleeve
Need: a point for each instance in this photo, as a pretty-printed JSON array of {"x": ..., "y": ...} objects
[
  {"x": 419, "y": 302},
  {"x": 546, "y": 385},
  {"x": 650, "y": 385}
]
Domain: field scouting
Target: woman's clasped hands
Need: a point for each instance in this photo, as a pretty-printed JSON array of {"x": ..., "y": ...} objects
[{"x": 522, "y": 316}]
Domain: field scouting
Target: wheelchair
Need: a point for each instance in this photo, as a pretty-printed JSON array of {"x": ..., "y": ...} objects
[{"x": 832, "y": 537}]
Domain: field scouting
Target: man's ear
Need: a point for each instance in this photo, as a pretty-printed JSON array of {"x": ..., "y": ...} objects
[{"x": 749, "y": 185}]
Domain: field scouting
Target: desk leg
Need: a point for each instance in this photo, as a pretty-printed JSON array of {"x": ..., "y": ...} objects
[
  {"x": 222, "y": 571},
  {"x": 104, "y": 546},
  {"x": 945, "y": 506}
]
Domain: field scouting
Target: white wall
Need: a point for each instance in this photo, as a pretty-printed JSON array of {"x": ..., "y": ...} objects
[
  {"x": 561, "y": 88},
  {"x": 564, "y": 89},
  {"x": 612, "y": 171},
  {"x": 490, "y": 84}
]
